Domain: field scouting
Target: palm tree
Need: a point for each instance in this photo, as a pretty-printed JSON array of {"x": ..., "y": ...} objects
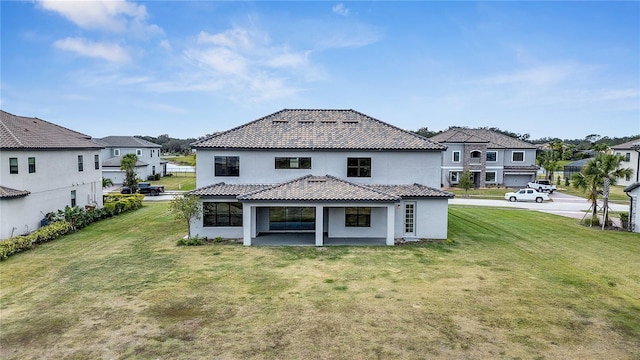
[
  {"x": 592, "y": 178},
  {"x": 128, "y": 164},
  {"x": 549, "y": 161}
]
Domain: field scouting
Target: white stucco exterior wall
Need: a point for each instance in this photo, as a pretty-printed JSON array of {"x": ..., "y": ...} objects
[
  {"x": 50, "y": 186},
  {"x": 389, "y": 167}
]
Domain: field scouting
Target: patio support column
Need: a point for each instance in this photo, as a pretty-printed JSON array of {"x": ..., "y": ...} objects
[
  {"x": 248, "y": 214},
  {"x": 319, "y": 225},
  {"x": 391, "y": 224}
]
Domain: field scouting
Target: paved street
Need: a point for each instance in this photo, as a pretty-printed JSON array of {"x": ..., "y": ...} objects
[{"x": 562, "y": 204}]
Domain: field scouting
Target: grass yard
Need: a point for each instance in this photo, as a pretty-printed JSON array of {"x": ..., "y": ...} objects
[
  {"x": 178, "y": 181},
  {"x": 616, "y": 193},
  {"x": 512, "y": 284},
  {"x": 480, "y": 193},
  {"x": 189, "y": 160}
]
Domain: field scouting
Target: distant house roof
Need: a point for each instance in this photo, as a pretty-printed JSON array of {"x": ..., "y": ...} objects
[
  {"x": 115, "y": 162},
  {"x": 320, "y": 188},
  {"x": 632, "y": 187},
  {"x": 127, "y": 142},
  {"x": 493, "y": 139},
  {"x": 630, "y": 145},
  {"x": 319, "y": 130},
  {"x": 9, "y": 193},
  {"x": 19, "y": 132},
  {"x": 578, "y": 163}
]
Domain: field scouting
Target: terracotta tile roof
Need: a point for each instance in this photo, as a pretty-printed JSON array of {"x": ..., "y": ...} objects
[
  {"x": 227, "y": 190},
  {"x": 413, "y": 190},
  {"x": 494, "y": 140},
  {"x": 629, "y": 145},
  {"x": 318, "y": 129},
  {"x": 19, "y": 132},
  {"x": 127, "y": 142},
  {"x": 319, "y": 188},
  {"x": 8, "y": 193}
]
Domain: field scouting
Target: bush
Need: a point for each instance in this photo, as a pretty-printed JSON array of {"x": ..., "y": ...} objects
[
  {"x": 70, "y": 219},
  {"x": 624, "y": 220},
  {"x": 194, "y": 241},
  {"x": 21, "y": 243}
]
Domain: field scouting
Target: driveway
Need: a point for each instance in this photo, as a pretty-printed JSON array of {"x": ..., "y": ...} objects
[{"x": 562, "y": 204}]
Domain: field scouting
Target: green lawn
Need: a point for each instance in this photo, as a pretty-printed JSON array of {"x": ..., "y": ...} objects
[
  {"x": 178, "y": 181},
  {"x": 616, "y": 193},
  {"x": 189, "y": 160},
  {"x": 510, "y": 284}
]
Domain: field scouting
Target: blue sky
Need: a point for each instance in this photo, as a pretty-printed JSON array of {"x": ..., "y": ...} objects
[{"x": 556, "y": 69}]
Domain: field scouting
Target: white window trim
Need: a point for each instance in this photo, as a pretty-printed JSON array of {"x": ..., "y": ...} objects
[
  {"x": 453, "y": 156},
  {"x": 523, "y": 156},
  {"x": 457, "y": 177},
  {"x": 116, "y": 152},
  {"x": 138, "y": 152},
  {"x": 495, "y": 176},
  {"x": 491, "y": 151}
]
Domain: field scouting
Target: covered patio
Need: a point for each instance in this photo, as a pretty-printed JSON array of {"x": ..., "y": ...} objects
[{"x": 309, "y": 239}]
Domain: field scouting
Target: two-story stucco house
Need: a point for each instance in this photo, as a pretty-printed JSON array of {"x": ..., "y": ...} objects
[
  {"x": 631, "y": 152},
  {"x": 491, "y": 157},
  {"x": 115, "y": 147},
  {"x": 43, "y": 168},
  {"x": 326, "y": 176}
]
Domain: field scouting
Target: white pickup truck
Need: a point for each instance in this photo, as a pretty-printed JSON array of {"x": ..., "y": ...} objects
[{"x": 542, "y": 185}]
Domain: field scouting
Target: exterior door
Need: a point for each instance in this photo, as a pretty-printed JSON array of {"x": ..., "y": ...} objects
[{"x": 410, "y": 219}]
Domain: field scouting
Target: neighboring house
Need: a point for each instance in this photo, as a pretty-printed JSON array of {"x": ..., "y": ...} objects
[
  {"x": 327, "y": 176},
  {"x": 574, "y": 167},
  {"x": 630, "y": 150},
  {"x": 115, "y": 147},
  {"x": 633, "y": 191},
  {"x": 491, "y": 157},
  {"x": 43, "y": 168}
]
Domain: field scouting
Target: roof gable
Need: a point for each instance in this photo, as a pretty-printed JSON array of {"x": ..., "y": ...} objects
[
  {"x": 19, "y": 132},
  {"x": 493, "y": 139},
  {"x": 629, "y": 145},
  {"x": 318, "y": 129}
]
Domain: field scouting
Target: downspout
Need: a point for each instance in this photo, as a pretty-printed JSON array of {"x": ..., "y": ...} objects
[
  {"x": 631, "y": 219},
  {"x": 636, "y": 147}
]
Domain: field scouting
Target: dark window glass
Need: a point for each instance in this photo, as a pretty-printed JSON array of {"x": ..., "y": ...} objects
[
  {"x": 456, "y": 156},
  {"x": 80, "y": 163},
  {"x": 32, "y": 165},
  {"x": 292, "y": 218},
  {"x": 359, "y": 167},
  {"x": 73, "y": 198},
  {"x": 492, "y": 156},
  {"x": 517, "y": 156},
  {"x": 13, "y": 165},
  {"x": 96, "y": 161},
  {"x": 221, "y": 214},
  {"x": 227, "y": 166},
  {"x": 357, "y": 217},
  {"x": 293, "y": 163},
  {"x": 627, "y": 157}
]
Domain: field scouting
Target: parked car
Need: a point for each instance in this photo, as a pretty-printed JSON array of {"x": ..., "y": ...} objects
[
  {"x": 526, "y": 195},
  {"x": 125, "y": 190},
  {"x": 542, "y": 185},
  {"x": 147, "y": 188}
]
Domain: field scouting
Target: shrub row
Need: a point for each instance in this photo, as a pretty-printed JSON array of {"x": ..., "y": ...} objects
[{"x": 70, "y": 219}]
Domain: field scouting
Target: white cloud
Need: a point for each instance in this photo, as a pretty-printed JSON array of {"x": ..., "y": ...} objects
[
  {"x": 235, "y": 39},
  {"x": 165, "y": 44},
  {"x": 107, "y": 51},
  {"x": 222, "y": 61},
  {"x": 340, "y": 9},
  {"x": 117, "y": 16}
]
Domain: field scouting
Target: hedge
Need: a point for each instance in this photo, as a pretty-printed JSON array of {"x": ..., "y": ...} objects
[{"x": 70, "y": 219}]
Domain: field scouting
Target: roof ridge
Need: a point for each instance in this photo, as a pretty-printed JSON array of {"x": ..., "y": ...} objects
[{"x": 13, "y": 136}]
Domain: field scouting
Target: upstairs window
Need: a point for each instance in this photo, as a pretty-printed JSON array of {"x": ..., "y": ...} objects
[
  {"x": 357, "y": 217},
  {"x": 96, "y": 161},
  {"x": 138, "y": 152},
  {"x": 358, "y": 167},
  {"x": 13, "y": 165},
  {"x": 227, "y": 166},
  {"x": 627, "y": 157},
  {"x": 32, "y": 165},
  {"x": 80, "y": 163},
  {"x": 116, "y": 152},
  {"x": 517, "y": 156},
  {"x": 456, "y": 156},
  {"x": 73, "y": 198},
  {"x": 293, "y": 163},
  {"x": 151, "y": 153},
  {"x": 492, "y": 156}
]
